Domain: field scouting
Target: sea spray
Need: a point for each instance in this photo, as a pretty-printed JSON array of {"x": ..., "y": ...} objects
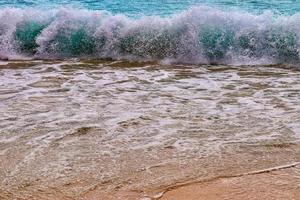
[{"x": 198, "y": 35}]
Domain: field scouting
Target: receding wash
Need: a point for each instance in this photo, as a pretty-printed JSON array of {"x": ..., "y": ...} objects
[{"x": 195, "y": 32}]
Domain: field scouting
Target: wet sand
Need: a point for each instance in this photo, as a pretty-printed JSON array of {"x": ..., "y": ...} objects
[
  {"x": 279, "y": 183},
  {"x": 121, "y": 130}
]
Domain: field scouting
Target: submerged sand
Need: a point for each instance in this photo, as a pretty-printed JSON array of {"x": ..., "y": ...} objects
[{"x": 123, "y": 130}]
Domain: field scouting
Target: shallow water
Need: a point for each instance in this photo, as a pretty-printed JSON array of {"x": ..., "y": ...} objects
[{"x": 71, "y": 128}]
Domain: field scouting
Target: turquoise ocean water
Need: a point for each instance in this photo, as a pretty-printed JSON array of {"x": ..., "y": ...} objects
[{"x": 195, "y": 31}]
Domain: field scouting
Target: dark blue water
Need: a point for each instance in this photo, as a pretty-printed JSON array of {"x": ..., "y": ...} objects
[{"x": 195, "y": 31}]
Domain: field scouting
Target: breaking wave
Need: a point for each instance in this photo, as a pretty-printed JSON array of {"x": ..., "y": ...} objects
[{"x": 198, "y": 35}]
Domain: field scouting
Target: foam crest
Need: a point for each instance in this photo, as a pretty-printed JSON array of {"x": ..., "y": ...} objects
[{"x": 198, "y": 35}]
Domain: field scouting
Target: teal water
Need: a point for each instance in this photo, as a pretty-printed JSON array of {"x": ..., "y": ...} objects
[
  {"x": 195, "y": 31},
  {"x": 164, "y": 7}
]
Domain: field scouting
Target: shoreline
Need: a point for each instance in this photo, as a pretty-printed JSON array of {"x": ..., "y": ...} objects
[
  {"x": 241, "y": 186},
  {"x": 270, "y": 183}
]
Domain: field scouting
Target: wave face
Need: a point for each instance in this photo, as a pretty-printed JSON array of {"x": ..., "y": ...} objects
[{"x": 197, "y": 35}]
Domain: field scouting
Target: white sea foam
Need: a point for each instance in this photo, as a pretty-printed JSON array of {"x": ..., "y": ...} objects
[{"x": 197, "y": 35}]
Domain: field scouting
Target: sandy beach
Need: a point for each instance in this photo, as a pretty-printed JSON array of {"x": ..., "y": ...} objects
[{"x": 281, "y": 183}]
